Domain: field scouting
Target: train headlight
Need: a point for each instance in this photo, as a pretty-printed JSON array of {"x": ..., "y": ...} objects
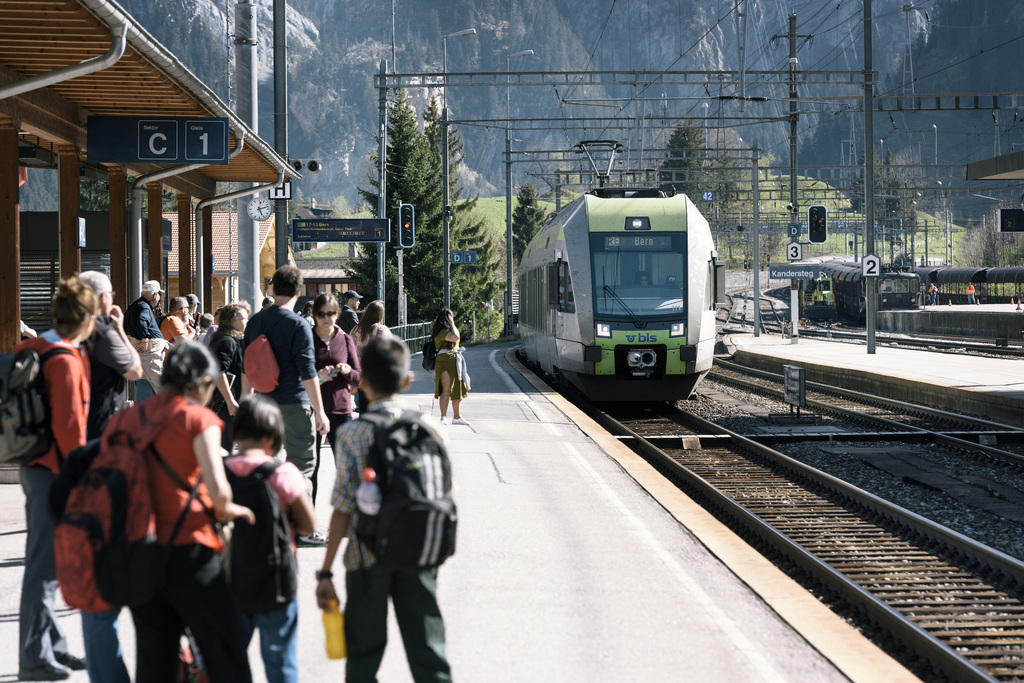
[
  {"x": 677, "y": 330},
  {"x": 641, "y": 358},
  {"x": 604, "y": 330}
]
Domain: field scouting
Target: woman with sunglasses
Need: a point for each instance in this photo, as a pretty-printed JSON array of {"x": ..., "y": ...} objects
[{"x": 337, "y": 366}]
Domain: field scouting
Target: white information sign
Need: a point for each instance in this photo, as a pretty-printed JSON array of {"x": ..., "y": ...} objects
[
  {"x": 871, "y": 266},
  {"x": 794, "y": 251}
]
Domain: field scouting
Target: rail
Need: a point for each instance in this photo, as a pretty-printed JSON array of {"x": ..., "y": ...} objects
[{"x": 413, "y": 334}]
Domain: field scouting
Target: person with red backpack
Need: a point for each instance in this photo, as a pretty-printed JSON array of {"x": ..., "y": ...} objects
[
  {"x": 196, "y": 591},
  {"x": 43, "y": 649},
  {"x": 278, "y": 339}
]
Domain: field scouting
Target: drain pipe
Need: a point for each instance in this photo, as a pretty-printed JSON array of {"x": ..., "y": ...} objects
[
  {"x": 224, "y": 198},
  {"x": 66, "y": 73},
  {"x": 140, "y": 182}
]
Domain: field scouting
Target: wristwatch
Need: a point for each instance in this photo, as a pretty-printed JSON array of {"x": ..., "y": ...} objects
[{"x": 325, "y": 574}]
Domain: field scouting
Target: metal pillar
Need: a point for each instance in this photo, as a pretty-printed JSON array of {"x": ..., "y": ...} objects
[
  {"x": 755, "y": 187},
  {"x": 382, "y": 195},
  {"x": 508, "y": 231},
  {"x": 280, "y": 125},
  {"x": 249, "y": 286},
  {"x": 446, "y": 210},
  {"x": 870, "y": 283}
]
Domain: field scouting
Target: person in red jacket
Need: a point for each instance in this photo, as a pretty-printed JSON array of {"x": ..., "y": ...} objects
[{"x": 43, "y": 649}]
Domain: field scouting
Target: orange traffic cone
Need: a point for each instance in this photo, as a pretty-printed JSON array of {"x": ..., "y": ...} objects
[
  {"x": 1018, "y": 305},
  {"x": 950, "y": 302}
]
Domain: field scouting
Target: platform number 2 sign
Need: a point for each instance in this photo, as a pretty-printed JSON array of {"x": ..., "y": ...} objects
[{"x": 871, "y": 266}]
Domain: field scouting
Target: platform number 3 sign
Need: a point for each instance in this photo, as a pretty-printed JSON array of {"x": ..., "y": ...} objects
[{"x": 871, "y": 266}]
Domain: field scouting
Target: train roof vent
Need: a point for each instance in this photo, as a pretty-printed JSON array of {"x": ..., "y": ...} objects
[{"x": 626, "y": 192}]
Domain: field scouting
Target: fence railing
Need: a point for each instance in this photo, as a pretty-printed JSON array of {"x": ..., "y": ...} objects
[{"x": 413, "y": 334}]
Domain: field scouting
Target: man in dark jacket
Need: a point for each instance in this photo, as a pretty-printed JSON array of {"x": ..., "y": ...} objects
[
  {"x": 141, "y": 326},
  {"x": 349, "y": 319},
  {"x": 112, "y": 360}
]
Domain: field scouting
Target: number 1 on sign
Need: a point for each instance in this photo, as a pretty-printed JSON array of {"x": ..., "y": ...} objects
[{"x": 794, "y": 251}]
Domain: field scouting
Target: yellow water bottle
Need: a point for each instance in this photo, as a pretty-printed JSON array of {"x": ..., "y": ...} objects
[{"x": 334, "y": 631}]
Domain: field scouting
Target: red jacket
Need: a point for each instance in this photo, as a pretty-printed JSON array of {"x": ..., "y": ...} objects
[{"x": 67, "y": 387}]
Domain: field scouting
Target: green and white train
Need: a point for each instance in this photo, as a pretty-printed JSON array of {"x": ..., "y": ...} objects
[{"x": 617, "y": 296}]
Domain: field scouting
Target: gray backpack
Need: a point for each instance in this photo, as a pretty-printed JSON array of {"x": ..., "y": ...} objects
[{"x": 25, "y": 431}]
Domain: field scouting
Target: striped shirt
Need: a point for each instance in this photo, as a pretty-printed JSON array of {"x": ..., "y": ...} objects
[{"x": 355, "y": 439}]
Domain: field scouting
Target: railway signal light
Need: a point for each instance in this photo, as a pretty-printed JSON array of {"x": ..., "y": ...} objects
[
  {"x": 817, "y": 226},
  {"x": 406, "y": 226}
]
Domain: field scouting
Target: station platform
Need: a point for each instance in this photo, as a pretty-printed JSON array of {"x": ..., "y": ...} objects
[
  {"x": 576, "y": 561},
  {"x": 988, "y": 387}
]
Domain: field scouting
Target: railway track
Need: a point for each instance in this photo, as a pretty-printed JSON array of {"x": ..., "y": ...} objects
[
  {"x": 887, "y": 416},
  {"x": 775, "y": 318},
  {"x": 955, "y": 602}
]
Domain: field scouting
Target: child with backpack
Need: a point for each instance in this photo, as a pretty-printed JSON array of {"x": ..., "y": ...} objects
[
  {"x": 369, "y": 450},
  {"x": 261, "y": 558}
]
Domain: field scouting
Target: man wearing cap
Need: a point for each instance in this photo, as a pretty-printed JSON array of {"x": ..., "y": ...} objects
[
  {"x": 349, "y": 319},
  {"x": 144, "y": 334},
  {"x": 192, "y": 320}
]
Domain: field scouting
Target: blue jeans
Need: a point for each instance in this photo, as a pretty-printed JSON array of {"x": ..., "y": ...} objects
[
  {"x": 279, "y": 637},
  {"x": 103, "y": 657},
  {"x": 143, "y": 390}
]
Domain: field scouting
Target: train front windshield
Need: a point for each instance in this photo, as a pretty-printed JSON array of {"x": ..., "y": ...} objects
[{"x": 639, "y": 275}]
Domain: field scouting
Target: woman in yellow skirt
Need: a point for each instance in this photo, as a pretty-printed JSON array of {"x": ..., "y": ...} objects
[{"x": 451, "y": 378}]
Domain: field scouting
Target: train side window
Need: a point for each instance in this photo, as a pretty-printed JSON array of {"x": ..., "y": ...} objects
[
  {"x": 560, "y": 294},
  {"x": 709, "y": 289}
]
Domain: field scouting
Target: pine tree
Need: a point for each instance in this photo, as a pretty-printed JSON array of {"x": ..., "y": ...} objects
[
  {"x": 527, "y": 220},
  {"x": 472, "y": 286},
  {"x": 413, "y": 177}
]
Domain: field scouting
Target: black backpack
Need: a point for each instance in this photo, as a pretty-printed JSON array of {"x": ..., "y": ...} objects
[
  {"x": 429, "y": 354},
  {"x": 415, "y": 528},
  {"x": 260, "y": 561},
  {"x": 25, "y": 430}
]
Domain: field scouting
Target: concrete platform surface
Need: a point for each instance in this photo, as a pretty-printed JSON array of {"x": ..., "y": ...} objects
[
  {"x": 991, "y": 387},
  {"x": 575, "y": 562}
]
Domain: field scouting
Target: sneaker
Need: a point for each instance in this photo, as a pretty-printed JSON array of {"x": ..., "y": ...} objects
[
  {"x": 460, "y": 421},
  {"x": 316, "y": 539},
  {"x": 50, "y": 671},
  {"x": 444, "y": 419},
  {"x": 70, "y": 661}
]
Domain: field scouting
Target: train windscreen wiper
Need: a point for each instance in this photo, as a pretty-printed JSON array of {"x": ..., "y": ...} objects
[{"x": 640, "y": 324}]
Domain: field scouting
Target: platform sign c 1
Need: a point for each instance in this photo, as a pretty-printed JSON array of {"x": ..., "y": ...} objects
[{"x": 871, "y": 266}]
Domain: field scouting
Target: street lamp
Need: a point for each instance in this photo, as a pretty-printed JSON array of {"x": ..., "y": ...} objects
[
  {"x": 446, "y": 210},
  {"x": 444, "y": 63},
  {"x": 508, "y": 188}
]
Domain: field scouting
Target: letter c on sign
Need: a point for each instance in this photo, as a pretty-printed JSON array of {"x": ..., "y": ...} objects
[{"x": 153, "y": 143}]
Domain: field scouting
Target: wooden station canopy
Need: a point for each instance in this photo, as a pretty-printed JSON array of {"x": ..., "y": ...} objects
[{"x": 44, "y": 41}]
